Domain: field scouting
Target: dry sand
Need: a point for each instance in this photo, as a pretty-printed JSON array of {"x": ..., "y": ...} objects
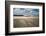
[{"x": 22, "y": 21}]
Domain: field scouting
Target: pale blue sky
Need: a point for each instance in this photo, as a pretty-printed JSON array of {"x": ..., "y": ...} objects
[{"x": 26, "y": 11}]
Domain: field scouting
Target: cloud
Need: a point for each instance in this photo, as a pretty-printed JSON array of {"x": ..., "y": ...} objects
[{"x": 26, "y": 11}]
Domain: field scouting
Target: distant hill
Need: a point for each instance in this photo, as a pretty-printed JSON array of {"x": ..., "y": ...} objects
[{"x": 18, "y": 15}]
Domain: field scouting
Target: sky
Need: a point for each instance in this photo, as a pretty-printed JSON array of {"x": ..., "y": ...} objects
[{"x": 26, "y": 11}]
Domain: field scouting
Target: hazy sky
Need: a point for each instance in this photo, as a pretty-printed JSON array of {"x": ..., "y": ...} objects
[{"x": 26, "y": 11}]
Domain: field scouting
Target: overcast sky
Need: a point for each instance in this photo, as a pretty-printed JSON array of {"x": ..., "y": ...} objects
[{"x": 26, "y": 11}]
